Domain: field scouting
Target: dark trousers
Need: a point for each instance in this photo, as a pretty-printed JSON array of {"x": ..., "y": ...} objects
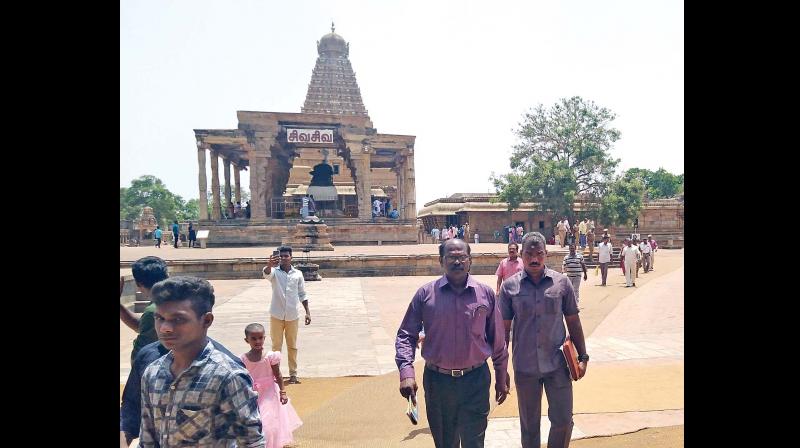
[
  {"x": 604, "y": 271},
  {"x": 158, "y": 242},
  {"x": 558, "y": 387},
  {"x": 175, "y": 238},
  {"x": 457, "y": 408}
]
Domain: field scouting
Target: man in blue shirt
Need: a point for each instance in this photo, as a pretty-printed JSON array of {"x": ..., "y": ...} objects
[
  {"x": 157, "y": 236},
  {"x": 130, "y": 412},
  {"x": 175, "y": 232}
]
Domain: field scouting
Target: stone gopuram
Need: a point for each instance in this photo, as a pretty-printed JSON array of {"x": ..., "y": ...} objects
[{"x": 282, "y": 149}]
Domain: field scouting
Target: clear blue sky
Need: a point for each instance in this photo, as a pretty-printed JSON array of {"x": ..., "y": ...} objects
[{"x": 458, "y": 75}]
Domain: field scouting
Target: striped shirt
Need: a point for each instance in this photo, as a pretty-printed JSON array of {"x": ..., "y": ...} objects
[
  {"x": 210, "y": 404},
  {"x": 573, "y": 265}
]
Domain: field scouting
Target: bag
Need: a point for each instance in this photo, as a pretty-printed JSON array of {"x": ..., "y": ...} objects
[{"x": 597, "y": 270}]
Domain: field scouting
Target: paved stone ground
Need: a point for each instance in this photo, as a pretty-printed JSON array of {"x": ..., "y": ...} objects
[{"x": 354, "y": 321}]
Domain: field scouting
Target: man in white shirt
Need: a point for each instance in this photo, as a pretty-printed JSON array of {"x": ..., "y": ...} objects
[
  {"x": 562, "y": 231},
  {"x": 630, "y": 254},
  {"x": 288, "y": 290},
  {"x": 644, "y": 246},
  {"x": 376, "y": 207},
  {"x": 435, "y": 234},
  {"x": 604, "y": 250}
]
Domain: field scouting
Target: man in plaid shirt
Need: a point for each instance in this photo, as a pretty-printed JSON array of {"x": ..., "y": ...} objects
[{"x": 194, "y": 395}]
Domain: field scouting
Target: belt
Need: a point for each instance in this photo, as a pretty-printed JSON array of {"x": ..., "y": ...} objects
[{"x": 455, "y": 373}]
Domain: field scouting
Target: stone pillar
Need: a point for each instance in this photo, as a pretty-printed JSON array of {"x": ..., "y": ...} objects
[
  {"x": 237, "y": 185},
  {"x": 410, "y": 188},
  {"x": 363, "y": 184},
  {"x": 214, "y": 186},
  {"x": 260, "y": 177},
  {"x": 227, "y": 173},
  {"x": 203, "y": 199},
  {"x": 401, "y": 191}
]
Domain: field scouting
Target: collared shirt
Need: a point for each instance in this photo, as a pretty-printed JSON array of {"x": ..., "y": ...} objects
[
  {"x": 288, "y": 290},
  {"x": 604, "y": 251},
  {"x": 130, "y": 412},
  {"x": 560, "y": 226},
  {"x": 507, "y": 268},
  {"x": 461, "y": 330},
  {"x": 573, "y": 265},
  {"x": 210, "y": 404},
  {"x": 538, "y": 314},
  {"x": 435, "y": 233},
  {"x": 582, "y": 227},
  {"x": 147, "y": 329},
  {"x": 630, "y": 254},
  {"x": 653, "y": 244},
  {"x": 645, "y": 247}
]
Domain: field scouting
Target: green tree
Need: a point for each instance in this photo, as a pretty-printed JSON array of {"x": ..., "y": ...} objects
[
  {"x": 149, "y": 191},
  {"x": 563, "y": 154},
  {"x": 622, "y": 201},
  {"x": 190, "y": 211},
  {"x": 658, "y": 184}
]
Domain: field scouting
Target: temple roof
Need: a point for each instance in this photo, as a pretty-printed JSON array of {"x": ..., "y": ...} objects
[{"x": 333, "y": 88}]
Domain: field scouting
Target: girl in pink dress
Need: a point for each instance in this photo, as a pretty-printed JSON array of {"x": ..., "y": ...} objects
[{"x": 278, "y": 417}]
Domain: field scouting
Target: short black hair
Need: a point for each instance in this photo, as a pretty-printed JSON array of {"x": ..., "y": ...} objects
[
  {"x": 533, "y": 238},
  {"x": 253, "y": 327},
  {"x": 441, "y": 246},
  {"x": 513, "y": 244},
  {"x": 198, "y": 290},
  {"x": 150, "y": 270},
  {"x": 285, "y": 249}
]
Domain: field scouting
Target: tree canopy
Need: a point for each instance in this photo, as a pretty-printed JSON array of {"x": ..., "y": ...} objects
[
  {"x": 563, "y": 154},
  {"x": 150, "y": 191},
  {"x": 657, "y": 184}
]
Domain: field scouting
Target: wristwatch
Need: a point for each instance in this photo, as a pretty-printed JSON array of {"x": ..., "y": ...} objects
[{"x": 584, "y": 357}]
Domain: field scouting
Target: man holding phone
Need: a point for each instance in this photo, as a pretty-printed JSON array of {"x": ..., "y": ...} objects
[
  {"x": 456, "y": 377},
  {"x": 288, "y": 290}
]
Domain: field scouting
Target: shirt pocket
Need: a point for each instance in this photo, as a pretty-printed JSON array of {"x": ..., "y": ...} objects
[
  {"x": 552, "y": 302},
  {"x": 193, "y": 422},
  {"x": 479, "y": 314}
]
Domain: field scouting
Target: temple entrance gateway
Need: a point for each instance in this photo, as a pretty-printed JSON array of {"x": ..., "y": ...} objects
[{"x": 330, "y": 151}]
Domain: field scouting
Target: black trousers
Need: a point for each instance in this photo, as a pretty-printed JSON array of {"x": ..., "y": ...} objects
[
  {"x": 457, "y": 408},
  {"x": 175, "y": 239}
]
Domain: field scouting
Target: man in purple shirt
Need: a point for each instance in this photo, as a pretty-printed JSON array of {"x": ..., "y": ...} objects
[
  {"x": 537, "y": 302},
  {"x": 463, "y": 327}
]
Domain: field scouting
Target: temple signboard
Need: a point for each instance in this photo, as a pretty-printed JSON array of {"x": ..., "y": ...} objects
[{"x": 309, "y": 135}]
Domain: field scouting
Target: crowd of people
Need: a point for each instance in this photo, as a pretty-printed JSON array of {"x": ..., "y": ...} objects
[{"x": 184, "y": 388}]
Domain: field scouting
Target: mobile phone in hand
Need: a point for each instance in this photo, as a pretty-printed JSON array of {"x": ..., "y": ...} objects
[{"x": 412, "y": 412}]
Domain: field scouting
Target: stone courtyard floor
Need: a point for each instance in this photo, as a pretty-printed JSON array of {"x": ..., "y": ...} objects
[{"x": 349, "y": 395}]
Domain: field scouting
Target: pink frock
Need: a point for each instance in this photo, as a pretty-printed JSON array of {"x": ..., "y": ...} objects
[{"x": 277, "y": 420}]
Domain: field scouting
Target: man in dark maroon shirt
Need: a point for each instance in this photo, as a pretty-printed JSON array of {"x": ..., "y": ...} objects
[{"x": 463, "y": 327}]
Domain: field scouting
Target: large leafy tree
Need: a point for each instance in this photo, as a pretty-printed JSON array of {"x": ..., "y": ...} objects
[
  {"x": 563, "y": 154},
  {"x": 150, "y": 191}
]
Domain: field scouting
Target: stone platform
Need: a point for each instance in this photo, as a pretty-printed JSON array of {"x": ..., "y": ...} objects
[{"x": 341, "y": 231}]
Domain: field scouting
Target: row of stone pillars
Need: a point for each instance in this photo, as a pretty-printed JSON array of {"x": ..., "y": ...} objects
[{"x": 216, "y": 206}]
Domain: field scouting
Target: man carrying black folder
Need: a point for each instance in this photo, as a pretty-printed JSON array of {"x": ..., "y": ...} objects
[
  {"x": 537, "y": 301},
  {"x": 463, "y": 327}
]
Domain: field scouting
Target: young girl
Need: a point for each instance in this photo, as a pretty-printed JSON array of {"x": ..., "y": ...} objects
[{"x": 278, "y": 417}]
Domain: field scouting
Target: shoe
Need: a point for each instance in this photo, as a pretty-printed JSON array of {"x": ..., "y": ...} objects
[
  {"x": 293, "y": 380},
  {"x": 634, "y": 284}
]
